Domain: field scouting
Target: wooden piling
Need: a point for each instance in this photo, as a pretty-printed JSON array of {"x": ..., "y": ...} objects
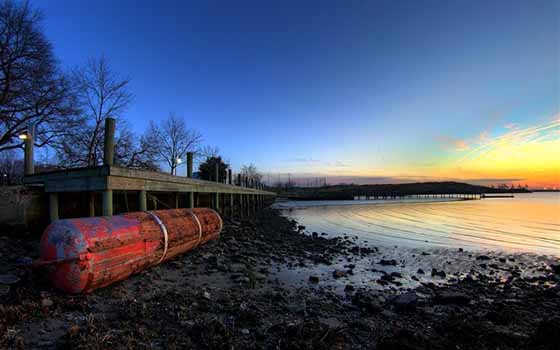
[
  {"x": 53, "y": 206},
  {"x": 142, "y": 201},
  {"x": 109, "y": 145},
  {"x": 92, "y": 204},
  {"x": 107, "y": 202},
  {"x": 29, "y": 165}
]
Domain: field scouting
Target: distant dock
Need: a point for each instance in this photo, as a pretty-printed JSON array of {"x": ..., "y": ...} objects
[{"x": 498, "y": 196}]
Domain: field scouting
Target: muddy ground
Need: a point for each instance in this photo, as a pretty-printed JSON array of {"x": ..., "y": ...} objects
[{"x": 268, "y": 284}]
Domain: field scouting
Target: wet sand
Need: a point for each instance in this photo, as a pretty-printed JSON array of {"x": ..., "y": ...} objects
[{"x": 269, "y": 284}]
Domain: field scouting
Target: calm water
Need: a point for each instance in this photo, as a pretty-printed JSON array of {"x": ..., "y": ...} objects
[{"x": 526, "y": 223}]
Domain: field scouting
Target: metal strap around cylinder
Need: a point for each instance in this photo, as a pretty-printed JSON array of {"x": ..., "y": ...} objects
[
  {"x": 199, "y": 228},
  {"x": 165, "y": 235}
]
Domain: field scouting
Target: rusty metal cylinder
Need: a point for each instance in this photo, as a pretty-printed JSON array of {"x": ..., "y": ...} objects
[{"x": 84, "y": 254}]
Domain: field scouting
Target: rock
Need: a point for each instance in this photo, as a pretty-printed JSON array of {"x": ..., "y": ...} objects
[
  {"x": 555, "y": 269},
  {"x": 441, "y": 273},
  {"x": 387, "y": 278},
  {"x": 349, "y": 288},
  {"x": 391, "y": 262},
  {"x": 46, "y": 302},
  {"x": 396, "y": 274},
  {"x": 482, "y": 257},
  {"x": 245, "y": 331},
  {"x": 8, "y": 279},
  {"x": 367, "y": 302},
  {"x": 502, "y": 260},
  {"x": 4, "y": 289},
  {"x": 450, "y": 297},
  {"x": 339, "y": 273},
  {"x": 406, "y": 301},
  {"x": 420, "y": 272},
  {"x": 460, "y": 250},
  {"x": 206, "y": 295},
  {"x": 546, "y": 335},
  {"x": 425, "y": 253},
  {"x": 314, "y": 279}
]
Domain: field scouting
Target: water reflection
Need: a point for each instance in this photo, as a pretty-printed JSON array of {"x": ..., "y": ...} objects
[{"x": 528, "y": 222}]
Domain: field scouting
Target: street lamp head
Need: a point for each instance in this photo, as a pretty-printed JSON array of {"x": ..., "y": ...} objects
[
  {"x": 23, "y": 136},
  {"x": 179, "y": 160}
]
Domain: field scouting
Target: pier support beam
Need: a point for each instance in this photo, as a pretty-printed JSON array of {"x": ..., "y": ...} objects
[
  {"x": 53, "y": 206},
  {"x": 108, "y": 203},
  {"x": 142, "y": 201},
  {"x": 92, "y": 204},
  {"x": 190, "y": 200},
  {"x": 216, "y": 201}
]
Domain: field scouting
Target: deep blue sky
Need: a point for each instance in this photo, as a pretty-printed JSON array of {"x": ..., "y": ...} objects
[{"x": 338, "y": 87}]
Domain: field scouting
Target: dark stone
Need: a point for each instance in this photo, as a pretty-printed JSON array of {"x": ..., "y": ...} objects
[
  {"x": 349, "y": 288},
  {"x": 391, "y": 262},
  {"x": 483, "y": 257},
  {"x": 406, "y": 301},
  {"x": 546, "y": 335},
  {"x": 314, "y": 279},
  {"x": 449, "y": 297},
  {"x": 396, "y": 274},
  {"x": 437, "y": 273},
  {"x": 420, "y": 272},
  {"x": 339, "y": 273},
  {"x": 8, "y": 279},
  {"x": 367, "y": 302}
]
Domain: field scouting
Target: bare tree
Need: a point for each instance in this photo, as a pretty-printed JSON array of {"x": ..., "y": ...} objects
[
  {"x": 251, "y": 172},
  {"x": 32, "y": 88},
  {"x": 102, "y": 94},
  {"x": 171, "y": 140},
  {"x": 208, "y": 152},
  {"x": 11, "y": 168},
  {"x": 131, "y": 152}
]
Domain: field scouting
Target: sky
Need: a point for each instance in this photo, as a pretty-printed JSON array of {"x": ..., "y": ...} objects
[{"x": 357, "y": 91}]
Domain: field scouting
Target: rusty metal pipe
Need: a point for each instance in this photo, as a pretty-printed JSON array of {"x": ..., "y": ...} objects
[{"x": 94, "y": 252}]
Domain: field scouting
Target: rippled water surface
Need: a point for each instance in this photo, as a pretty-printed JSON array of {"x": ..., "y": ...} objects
[{"x": 526, "y": 223}]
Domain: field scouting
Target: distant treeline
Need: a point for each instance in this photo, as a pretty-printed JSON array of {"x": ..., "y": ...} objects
[{"x": 348, "y": 192}]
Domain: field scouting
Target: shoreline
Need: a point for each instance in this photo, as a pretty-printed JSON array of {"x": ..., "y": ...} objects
[{"x": 265, "y": 284}]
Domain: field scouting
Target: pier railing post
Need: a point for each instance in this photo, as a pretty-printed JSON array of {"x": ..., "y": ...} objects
[
  {"x": 109, "y": 145},
  {"x": 108, "y": 159},
  {"x": 190, "y": 196},
  {"x": 189, "y": 164},
  {"x": 217, "y": 179},
  {"x": 29, "y": 166}
]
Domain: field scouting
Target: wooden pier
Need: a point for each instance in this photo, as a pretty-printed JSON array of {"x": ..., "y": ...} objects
[{"x": 244, "y": 197}]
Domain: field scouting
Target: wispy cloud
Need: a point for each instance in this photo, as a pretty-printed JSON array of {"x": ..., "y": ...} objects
[
  {"x": 547, "y": 131},
  {"x": 453, "y": 144}
]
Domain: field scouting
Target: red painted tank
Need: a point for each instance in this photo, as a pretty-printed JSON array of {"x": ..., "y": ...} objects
[{"x": 89, "y": 253}]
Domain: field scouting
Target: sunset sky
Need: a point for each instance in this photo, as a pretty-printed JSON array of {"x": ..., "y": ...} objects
[{"x": 362, "y": 91}]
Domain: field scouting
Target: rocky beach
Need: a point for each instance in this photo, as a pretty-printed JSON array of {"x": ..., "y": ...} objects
[{"x": 268, "y": 283}]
